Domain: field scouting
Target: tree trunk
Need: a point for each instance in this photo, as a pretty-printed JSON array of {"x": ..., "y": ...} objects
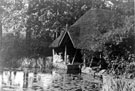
[
  {"x": 28, "y": 40},
  {"x": 28, "y": 35},
  {"x": 0, "y": 34}
]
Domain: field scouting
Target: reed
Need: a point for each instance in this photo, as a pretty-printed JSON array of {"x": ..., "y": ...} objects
[
  {"x": 118, "y": 84},
  {"x": 32, "y": 62}
]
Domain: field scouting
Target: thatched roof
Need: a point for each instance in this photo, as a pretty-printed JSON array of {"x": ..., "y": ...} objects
[{"x": 84, "y": 32}]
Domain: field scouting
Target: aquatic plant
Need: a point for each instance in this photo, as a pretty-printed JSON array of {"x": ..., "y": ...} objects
[
  {"x": 118, "y": 84},
  {"x": 36, "y": 62}
]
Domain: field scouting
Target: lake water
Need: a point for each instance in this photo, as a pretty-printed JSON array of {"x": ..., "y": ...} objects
[{"x": 47, "y": 80}]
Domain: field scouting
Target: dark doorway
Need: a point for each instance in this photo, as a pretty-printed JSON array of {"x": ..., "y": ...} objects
[{"x": 72, "y": 52}]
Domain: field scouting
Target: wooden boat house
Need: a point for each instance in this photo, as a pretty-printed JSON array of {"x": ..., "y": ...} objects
[{"x": 64, "y": 46}]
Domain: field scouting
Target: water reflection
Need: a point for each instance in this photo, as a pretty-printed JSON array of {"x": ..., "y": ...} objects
[{"x": 43, "y": 80}]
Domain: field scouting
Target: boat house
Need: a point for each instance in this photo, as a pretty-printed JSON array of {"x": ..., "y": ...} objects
[{"x": 64, "y": 46}]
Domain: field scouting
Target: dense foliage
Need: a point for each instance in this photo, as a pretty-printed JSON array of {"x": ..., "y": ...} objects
[{"x": 119, "y": 49}]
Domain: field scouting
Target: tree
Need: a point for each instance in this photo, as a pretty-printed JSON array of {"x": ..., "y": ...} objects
[
  {"x": 12, "y": 20},
  {"x": 119, "y": 52},
  {"x": 53, "y": 15},
  {"x": 1, "y": 10},
  {"x": 117, "y": 42},
  {"x": 49, "y": 17},
  {"x": 0, "y": 34}
]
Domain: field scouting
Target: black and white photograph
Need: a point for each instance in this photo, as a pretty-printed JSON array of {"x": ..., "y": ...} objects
[{"x": 67, "y": 45}]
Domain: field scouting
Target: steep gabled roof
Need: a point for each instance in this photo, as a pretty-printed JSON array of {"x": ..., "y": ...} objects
[{"x": 57, "y": 42}]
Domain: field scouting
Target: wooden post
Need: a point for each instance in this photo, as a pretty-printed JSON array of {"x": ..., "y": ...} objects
[
  {"x": 56, "y": 34},
  {"x": 84, "y": 60},
  {"x": 53, "y": 53},
  {"x": 91, "y": 61},
  {"x": 65, "y": 54},
  {"x": 74, "y": 57}
]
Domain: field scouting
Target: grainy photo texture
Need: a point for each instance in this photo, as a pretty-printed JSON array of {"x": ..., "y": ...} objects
[{"x": 67, "y": 45}]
